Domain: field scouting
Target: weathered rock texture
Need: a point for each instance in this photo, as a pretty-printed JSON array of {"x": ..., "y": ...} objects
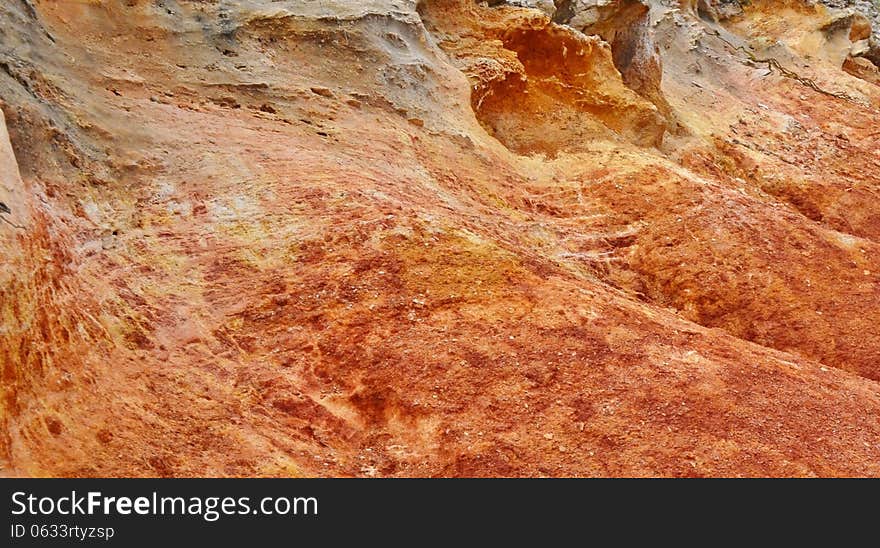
[
  {"x": 438, "y": 238},
  {"x": 868, "y": 8}
]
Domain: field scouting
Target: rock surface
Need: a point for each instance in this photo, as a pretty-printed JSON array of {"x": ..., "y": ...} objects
[
  {"x": 438, "y": 238},
  {"x": 868, "y": 8}
]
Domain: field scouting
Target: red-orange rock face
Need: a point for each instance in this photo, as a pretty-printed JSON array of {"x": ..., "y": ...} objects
[{"x": 437, "y": 238}]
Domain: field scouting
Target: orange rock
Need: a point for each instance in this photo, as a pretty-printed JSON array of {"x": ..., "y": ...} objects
[{"x": 463, "y": 241}]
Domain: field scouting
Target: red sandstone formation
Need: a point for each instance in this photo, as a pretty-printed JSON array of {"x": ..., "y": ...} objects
[{"x": 438, "y": 238}]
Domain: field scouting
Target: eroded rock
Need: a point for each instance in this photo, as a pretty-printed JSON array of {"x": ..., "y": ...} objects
[{"x": 390, "y": 238}]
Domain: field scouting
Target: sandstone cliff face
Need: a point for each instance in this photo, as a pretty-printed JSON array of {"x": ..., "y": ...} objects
[{"x": 438, "y": 238}]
